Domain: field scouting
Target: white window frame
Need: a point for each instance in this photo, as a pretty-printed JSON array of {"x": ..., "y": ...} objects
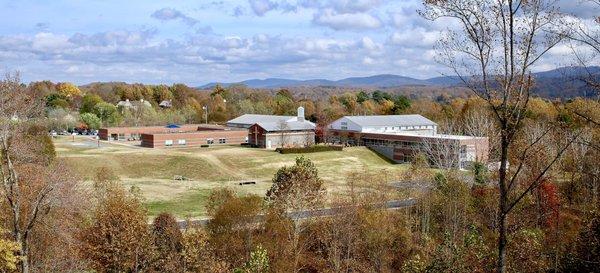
[
  {"x": 168, "y": 142},
  {"x": 181, "y": 142}
]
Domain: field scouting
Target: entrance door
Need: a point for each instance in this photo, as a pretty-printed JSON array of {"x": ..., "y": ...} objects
[{"x": 268, "y": 144}]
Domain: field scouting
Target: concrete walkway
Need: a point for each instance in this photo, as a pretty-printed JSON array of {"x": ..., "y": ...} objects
[{"x": 307, "y": 214}]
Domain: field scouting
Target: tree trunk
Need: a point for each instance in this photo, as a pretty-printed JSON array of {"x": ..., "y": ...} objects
[
  {"x": 24, "y": 256},
  {"x": 503, "y": 203},
  {"x": 502, "y": 243}
]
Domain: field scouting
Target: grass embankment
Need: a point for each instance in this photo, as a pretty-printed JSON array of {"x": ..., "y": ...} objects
[{"x": 152, "y": 170}]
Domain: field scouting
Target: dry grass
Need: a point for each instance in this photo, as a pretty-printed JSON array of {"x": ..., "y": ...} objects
[{"x": 152, "y": 170}]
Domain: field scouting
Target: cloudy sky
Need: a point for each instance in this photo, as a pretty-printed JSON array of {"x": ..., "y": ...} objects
[{"x": 196, "y": 42}]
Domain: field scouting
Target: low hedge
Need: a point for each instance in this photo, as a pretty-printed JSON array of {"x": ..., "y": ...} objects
[{"x": 310, "y": 149}]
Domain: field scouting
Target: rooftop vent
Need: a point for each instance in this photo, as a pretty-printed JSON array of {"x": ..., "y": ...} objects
[{"x": 300, "y": 113}]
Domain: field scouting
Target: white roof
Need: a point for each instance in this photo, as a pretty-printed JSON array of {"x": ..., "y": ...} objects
[
  {"x": 390, "y": 120},
  {"x": 289, "y": 126},
  {"x": 250, "y": 119},
  {"x": 434, "y": 136}
]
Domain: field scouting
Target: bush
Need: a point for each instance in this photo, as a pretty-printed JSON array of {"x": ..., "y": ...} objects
[
  {"x": 204, "y": 146},
  {"x": 310, "y": 149}
]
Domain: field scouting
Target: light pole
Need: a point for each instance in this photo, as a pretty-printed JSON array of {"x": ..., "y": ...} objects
[{"x": 205, "y": 107}]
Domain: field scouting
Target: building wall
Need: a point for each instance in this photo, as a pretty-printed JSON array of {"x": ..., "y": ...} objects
[
  {"x": 289, "y": 139},
  {"x": 479, "y": 147},
  {"x": 402, "y": 148},
  {"x": 124, "y": 133},
  {"x": 259, "y": 137},
  {"x": 345, "y": 124},
  {"x": 194, "y": 138}
]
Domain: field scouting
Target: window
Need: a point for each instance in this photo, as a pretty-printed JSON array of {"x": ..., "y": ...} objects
[
  {"x": 210, "y": 141},
  {"x": 344, "y": 127},
  {"x": 169, "y": 142},
  {"x": 222, "y": 140},
  {"x": 181, "y": 141},
  {"x": 344, "y": 123}
]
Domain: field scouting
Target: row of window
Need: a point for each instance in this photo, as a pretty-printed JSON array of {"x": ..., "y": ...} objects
[
  {"x": 411, "y": 127},
  {"x": 169, "y": 142}
]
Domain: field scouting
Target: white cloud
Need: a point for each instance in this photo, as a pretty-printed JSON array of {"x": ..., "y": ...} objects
[
  {"x": 166, "y": 14},
  {"x": 415, "y": 37},
  {"x": 341, "y": 6},
  {"x": 49, "y": 42},
  {"x": 260, "y": 7},
  {"x": 346, "y": 21}
]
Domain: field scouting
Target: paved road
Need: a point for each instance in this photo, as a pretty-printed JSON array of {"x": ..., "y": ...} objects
[{"x": 299, "y": 215}]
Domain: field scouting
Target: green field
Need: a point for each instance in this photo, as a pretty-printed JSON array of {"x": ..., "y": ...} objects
[{"x": 153, "y": 170}]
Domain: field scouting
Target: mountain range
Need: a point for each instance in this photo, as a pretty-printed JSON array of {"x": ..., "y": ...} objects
[
  {"x": 382, "y": 81},
  {"x": 551, "y": 82}
]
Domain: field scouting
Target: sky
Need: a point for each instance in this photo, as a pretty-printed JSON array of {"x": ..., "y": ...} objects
[{"x": 196, "y": 42}]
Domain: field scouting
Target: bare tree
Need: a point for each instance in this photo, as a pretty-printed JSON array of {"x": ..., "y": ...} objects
[
  {"x": 18, "y": 107},
  {"x": 442, "y": 152},
  {"x": 283, "y": 129},
  {"x": 481, "y": 123},
  {"x": 493, "y": 52}
]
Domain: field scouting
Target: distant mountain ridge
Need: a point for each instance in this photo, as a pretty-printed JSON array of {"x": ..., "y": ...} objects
[{"x": 552, "y": 77}]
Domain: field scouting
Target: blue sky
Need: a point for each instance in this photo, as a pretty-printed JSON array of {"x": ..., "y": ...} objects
[{"x": 196, "y": 42}]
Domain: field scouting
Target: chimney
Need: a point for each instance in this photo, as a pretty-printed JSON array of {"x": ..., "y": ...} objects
[{"x": 300, "y": 113}]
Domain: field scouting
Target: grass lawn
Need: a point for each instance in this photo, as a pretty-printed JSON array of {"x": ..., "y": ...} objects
[{"x": 152, "y": 170}]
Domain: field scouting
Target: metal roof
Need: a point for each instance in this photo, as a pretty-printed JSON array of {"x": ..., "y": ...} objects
[
  {"x": 289, "y": 126},
  {"x": 390, "y": 120},
  {"x": 250, "y": 119}
]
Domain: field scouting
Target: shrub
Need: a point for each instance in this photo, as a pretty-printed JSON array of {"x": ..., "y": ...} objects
[{"x": 310, "y": 149}]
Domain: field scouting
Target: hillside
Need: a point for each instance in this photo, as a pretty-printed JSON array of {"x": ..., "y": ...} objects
[{"x": 564, "y": 82}]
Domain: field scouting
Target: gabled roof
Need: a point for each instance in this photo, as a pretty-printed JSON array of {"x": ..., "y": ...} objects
[
  {"x": 252, "y": 119},
  {"x": 390, "y": 120},
  {"x": 287, "y": 126}
]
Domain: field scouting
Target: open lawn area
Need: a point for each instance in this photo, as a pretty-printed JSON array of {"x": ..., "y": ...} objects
[{"x": 153, "y": 170}]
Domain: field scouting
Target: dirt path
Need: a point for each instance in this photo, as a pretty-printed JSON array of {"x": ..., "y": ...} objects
[{"x": 212, "y": 159}]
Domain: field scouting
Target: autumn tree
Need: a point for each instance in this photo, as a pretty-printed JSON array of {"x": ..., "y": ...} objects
[
  {"x": 118, "y": 238},
  {"x": 198, "y": 255},
  {"x": 8, "y": 249},
  {"x": 32, "y": 181},
  {"x": 68, "y": 89},
  {"x": 232, "y": 226},
  {"x": 296, "y": 188},
  {"x": 492, "y": 54},
  {"x": 168, "y": 242}
]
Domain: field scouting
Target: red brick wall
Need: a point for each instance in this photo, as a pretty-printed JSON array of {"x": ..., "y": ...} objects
[
  {"x": 481, "y": 147},
  {"x": 105, "y": 133},
  {"x": 194, "y": 138}
]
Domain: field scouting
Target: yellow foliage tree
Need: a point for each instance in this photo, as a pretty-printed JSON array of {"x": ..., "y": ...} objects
[
  {"x": 68, "y": 89},
  {"x": 8, "y": 257}
]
